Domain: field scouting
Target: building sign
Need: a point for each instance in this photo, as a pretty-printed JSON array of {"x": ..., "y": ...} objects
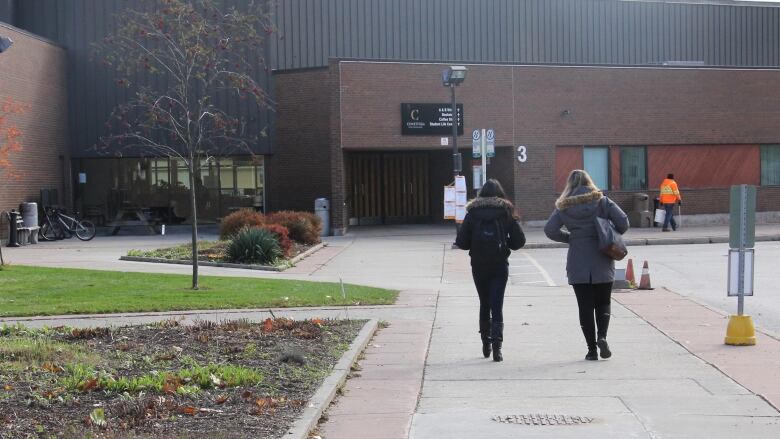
[{"x": 429, "y": 119}]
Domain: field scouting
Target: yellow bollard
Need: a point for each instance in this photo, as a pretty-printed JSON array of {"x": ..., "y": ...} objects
[{"x": 740, "y": 331}]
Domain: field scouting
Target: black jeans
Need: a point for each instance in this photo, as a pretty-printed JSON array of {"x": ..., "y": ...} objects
[
  {"x": 593, "y": 300},
  {"x": 491, "y": 284},
  {"x": 669, "y": 216}
]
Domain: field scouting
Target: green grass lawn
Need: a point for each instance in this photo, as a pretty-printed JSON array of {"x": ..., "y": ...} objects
[{"x": 28, "y": 291}]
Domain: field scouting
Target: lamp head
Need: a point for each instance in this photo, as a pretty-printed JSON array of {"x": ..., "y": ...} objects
[
  {"x": 5, "y": 43},
  {"x": 454, "y": 75}
]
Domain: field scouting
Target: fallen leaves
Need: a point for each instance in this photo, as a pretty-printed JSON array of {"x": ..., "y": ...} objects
[
  {"x": 265, "y": 405},
  {"x": 88, "y": 333},
  {"x": 53, "y": 368},
  {"x": 88, "y": 385},
  {"x": 268, "y": 325},
  {"x": 188, "y": 410}
]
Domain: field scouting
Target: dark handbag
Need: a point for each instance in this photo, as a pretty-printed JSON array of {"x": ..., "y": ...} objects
[{"x": 610, "y": 241}]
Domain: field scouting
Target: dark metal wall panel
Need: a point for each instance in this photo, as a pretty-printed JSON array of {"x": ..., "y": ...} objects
[
  {"x": 517, "y": 31},
  {"x": 527, "y": 31},
  {"x": 7, "y": 12},
  {"x": 93, "y": 93}
]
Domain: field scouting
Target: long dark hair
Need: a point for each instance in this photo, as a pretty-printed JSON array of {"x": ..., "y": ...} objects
[{"x": 492, "y": 188}]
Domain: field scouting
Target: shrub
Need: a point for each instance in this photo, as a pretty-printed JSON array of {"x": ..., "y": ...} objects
[
  {"x": 283, "y": 237},
  {"x": 237, "y": 220},
  {"x": 254, "y": 246},
  {"x": 304, "y": 227}
]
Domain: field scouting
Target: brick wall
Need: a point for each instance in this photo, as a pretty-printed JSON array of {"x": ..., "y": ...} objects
[
  {"x": 33, "y": 72},
  {"x": 545, "y": 106},
  {"x": 299, "y": 171}
]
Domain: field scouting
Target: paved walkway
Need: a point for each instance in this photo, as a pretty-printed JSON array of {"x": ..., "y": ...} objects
[{"x": 424, "y": 377}]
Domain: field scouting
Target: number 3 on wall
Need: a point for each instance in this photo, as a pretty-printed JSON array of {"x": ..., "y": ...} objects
[{"x": 522, "y": 155}]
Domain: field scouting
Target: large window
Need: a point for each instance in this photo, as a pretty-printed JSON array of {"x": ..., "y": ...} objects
[
  {"x": 770, "y": 165},
  {"x": 633, "y": 168},
  {"x": 596, "y": 162}
]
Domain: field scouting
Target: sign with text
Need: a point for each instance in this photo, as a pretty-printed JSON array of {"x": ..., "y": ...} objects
[
  {"x": 742, "y": 220},
  {"x": 429, "y": 119},
  {"x": 490, "y": 143}
]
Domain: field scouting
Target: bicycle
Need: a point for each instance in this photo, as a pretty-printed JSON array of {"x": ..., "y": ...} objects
[{"x": 57, "y": 225}]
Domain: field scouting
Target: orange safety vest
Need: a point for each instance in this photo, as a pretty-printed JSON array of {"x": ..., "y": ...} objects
[{"x": 669, "y": 192}]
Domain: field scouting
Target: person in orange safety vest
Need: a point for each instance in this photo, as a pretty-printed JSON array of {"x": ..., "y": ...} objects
[{"x": 670, "y": 195}]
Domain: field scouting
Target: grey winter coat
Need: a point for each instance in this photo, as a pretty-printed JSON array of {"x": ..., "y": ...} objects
[{"x": 585, "y": 263}]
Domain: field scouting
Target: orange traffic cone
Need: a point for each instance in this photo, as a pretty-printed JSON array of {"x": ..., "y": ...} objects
[
  {"x": 630, "y": 272},
  {"x": 644, "y": 282}
]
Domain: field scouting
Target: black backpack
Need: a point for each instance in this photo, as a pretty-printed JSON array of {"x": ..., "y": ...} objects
[{"x": 488, "y": 241}]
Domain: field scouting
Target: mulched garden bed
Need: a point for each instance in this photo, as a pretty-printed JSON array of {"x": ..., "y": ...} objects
[
  {"x": 208, "y": 251},
  {"x": 233, "y": 379}
]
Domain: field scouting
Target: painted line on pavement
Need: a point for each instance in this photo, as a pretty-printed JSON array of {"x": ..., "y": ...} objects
[{"x": 541, "y": 269}]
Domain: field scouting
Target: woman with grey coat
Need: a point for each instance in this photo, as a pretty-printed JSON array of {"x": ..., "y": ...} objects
[{"x": 590, "y": 272}]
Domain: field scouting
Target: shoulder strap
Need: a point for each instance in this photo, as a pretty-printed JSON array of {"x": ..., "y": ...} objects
[{"x": 600, "y": 209}]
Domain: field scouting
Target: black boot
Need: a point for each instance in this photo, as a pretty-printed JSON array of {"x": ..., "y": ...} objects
[
  {"x": 602, "y": 322},
  {"x": 592, "y": 355},
  {"x": 484, "y": 332},
  {"x": 498, "y": 338}
]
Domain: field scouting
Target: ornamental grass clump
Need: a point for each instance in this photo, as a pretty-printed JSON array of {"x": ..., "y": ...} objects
[{"x": 254, "y": 246}]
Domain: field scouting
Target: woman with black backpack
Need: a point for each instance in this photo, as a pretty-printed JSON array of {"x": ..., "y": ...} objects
[
  {"x": 589, "y": 270},
  {"x": 489, "y": 232}
]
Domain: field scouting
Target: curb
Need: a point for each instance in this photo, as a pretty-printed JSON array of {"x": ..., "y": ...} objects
[
  {"x": 327, "y": 391},
  {"x": 660, "y": 241},
  {"x": 289, "y": 264}
]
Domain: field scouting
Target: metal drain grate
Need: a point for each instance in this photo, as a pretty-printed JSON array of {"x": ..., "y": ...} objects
[{"x": 543, "y": 419}]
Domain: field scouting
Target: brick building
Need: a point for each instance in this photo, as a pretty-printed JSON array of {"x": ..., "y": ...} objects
[
  {"x": 628, "y": 126},
  {"x": 33, "y": 74},
  {"x": 629, "y": 90}
]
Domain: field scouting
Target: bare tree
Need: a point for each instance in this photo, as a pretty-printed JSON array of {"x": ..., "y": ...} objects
[{"x": 208, "y": 56}]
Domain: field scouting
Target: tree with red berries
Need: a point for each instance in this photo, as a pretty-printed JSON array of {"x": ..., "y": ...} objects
[{"x": 210, "y": 57}]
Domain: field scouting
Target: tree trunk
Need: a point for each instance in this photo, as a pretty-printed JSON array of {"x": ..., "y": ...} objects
[{"x": 194, "y": 213}]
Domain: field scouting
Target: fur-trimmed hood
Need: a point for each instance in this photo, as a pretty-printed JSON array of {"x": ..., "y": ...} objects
[
  {"x": 580, "y": 198},
  {"x": 490, "y": 202}
]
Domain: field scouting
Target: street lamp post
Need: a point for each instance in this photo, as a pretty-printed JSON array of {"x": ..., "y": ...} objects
[{"x": 452, "y": 77}]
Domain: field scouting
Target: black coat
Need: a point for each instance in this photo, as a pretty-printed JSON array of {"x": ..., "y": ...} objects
[{"x": 490, "y": 209}]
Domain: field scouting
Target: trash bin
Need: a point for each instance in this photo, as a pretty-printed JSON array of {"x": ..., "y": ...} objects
[
  {"x": 322, "y": 210},
  {"x": 12, "y": 231},
  {"x": 29, "y": 214},
  {"x": 641, "y": 203},
  {"x": 639, "y": 215}
]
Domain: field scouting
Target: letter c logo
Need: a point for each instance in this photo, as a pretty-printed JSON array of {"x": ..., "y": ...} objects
[{"x": 415, "y": 114}]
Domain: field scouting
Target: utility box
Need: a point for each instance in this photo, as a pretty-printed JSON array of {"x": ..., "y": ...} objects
[
  {"x": 322, "y": 210},
  {"x": 640, "y": 215}
]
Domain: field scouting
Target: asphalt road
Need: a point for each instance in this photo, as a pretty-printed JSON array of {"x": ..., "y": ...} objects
[{"x": 698, "y": 271}]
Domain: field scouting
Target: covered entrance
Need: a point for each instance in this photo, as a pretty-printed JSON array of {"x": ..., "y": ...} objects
[{"x": 389, "y": 187}]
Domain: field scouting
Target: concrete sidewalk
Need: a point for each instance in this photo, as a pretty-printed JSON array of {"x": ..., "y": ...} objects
[{"x": 651, "y": 388}]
